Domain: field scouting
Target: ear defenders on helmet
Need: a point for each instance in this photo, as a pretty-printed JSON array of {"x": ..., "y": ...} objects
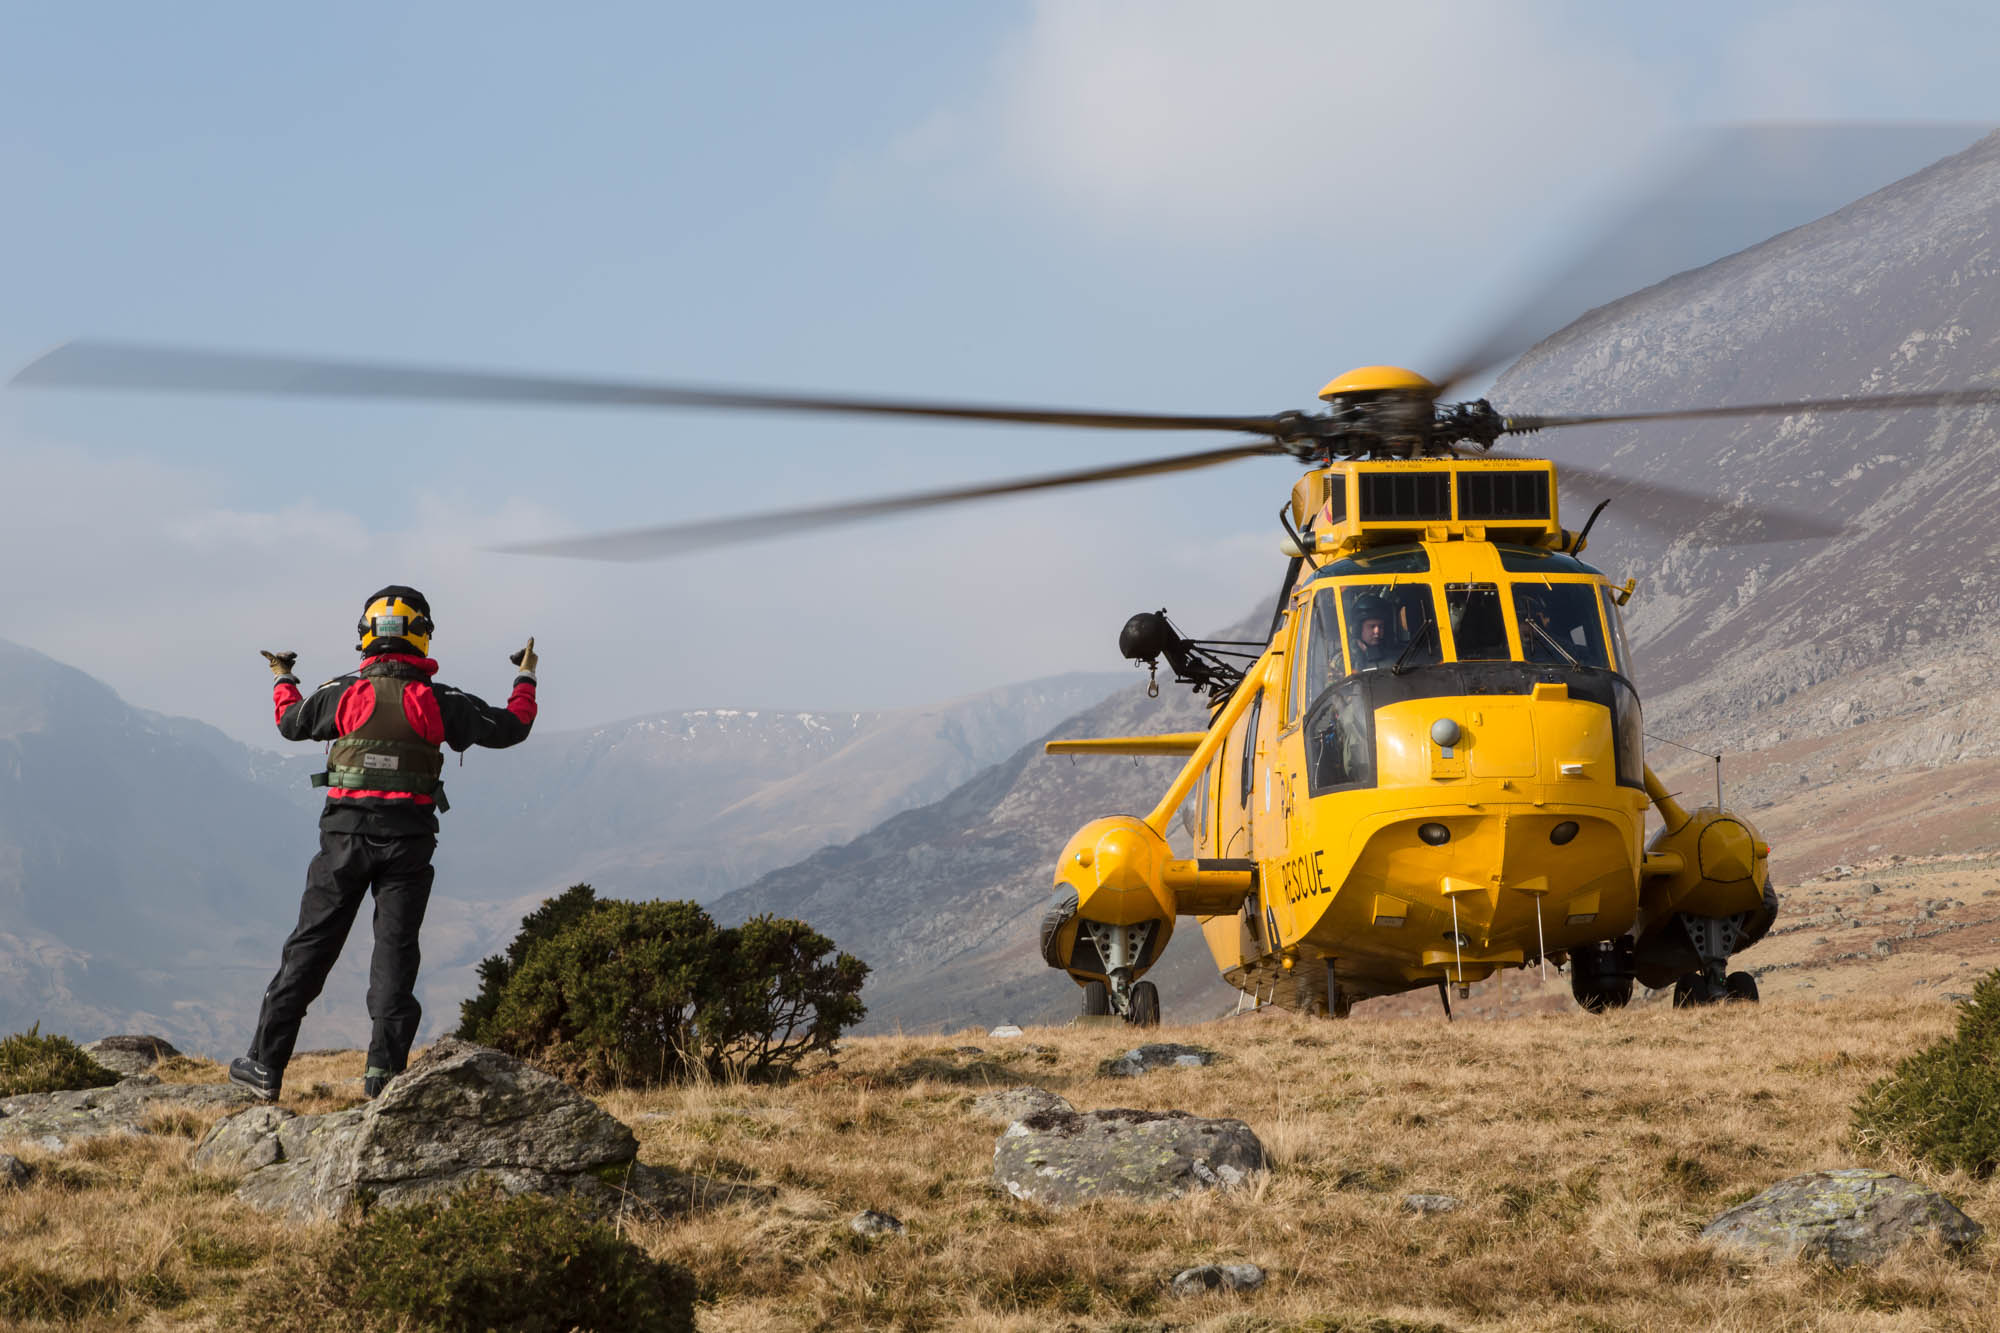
[{"x": 394, "y": 618}]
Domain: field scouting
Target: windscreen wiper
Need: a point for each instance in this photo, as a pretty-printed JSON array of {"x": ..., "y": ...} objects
[
  {"x": 1550, "y": 640},
  {"x": 1424, "y": 629}
]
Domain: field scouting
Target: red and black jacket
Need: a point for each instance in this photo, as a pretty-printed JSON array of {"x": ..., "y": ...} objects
[{"x": 433, "y": 714}]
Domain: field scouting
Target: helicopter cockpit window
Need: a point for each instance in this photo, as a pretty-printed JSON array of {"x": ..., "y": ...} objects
[
  {"x": 1387, "y": 560},
  {"x": 1476, "y": 624},
  {"x": 1340, "y": 740},
  {"x": 1389, "y": 624},
  {"x": 1539, "y": 560},
  {"x": 1250, "y": 751},
  {"x": 1616, "y": 620},
  {"x": 1560, "y": 625}
]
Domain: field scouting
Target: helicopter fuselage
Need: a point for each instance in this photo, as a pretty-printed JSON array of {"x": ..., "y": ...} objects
[{"x": 1435, "y": 770}]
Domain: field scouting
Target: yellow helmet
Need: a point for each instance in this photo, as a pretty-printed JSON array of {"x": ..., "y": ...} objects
[{"x": 397, "y": 613}]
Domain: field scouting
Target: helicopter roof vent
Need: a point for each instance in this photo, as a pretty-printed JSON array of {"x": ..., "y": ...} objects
[
  {"x": 1392, "y": 497},
  {"x": 1502, "y": 497}
]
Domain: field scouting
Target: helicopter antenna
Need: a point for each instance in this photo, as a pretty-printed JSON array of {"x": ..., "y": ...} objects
[
  {"x": 1577, "y": 544},
  {"x": 1717, "y": 757}
]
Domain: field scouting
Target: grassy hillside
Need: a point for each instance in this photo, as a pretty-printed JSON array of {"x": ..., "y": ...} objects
[{"x": 1587, "y": 1151}]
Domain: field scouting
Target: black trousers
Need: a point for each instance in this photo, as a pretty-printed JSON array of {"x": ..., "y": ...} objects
[{"x": 347, "y": 867}]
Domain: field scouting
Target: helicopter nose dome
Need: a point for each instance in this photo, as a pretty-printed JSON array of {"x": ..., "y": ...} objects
[{"x": 1376, "y": 379}]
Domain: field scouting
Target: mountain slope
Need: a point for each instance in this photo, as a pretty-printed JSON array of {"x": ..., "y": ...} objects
[
  {"x": 692, "y": 804},
  {"x": 143, "y": 865},
  {"x": 943, "y": 901},
  {"x": 1898, "y": 291}
]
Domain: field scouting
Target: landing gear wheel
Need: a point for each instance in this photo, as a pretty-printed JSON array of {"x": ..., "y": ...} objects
[
  {"x": 1145, "y": 1007},
  {"x": 1693, "y": 989},
  {"x": 1742, "y": 986},
  {"x": 1096, "y": 999},
  {"x": 1600, "y": 975},
  {"x": 1602, "y": 997}
]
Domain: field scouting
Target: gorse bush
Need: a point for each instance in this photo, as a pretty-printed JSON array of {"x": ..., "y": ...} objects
[
  {"x": 1943, "y": 1103},
  {"x": 479, "y": 1261},
  {"x": 574, "y": 903},
  {"x": 616, "y": 994},
  {"x": 30, "y": 1062}
]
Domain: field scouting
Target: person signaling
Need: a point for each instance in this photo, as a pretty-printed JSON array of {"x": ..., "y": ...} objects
[{"x": 389, "y": 723}]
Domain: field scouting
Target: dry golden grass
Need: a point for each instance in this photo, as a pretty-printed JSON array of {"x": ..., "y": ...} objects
[{"x": 1588, "y": 1153}]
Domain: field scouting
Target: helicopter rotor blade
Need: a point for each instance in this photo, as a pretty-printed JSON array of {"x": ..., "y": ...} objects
[
  {"x": 95, "y": 364},
  {"x": 1880, "y": 402},
  {"x": 656, "y": 543},
  {"x": 1710, "y": 195},
  {"x": 1668, "y": 508}
]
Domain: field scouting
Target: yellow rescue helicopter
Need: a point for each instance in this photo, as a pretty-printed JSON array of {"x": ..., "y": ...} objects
[{"x": 1432, "y": 767}]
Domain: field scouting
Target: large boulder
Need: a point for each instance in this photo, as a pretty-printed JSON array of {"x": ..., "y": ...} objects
[
  {"x": 129, "y": 1054},
  {"x": 54, "y": 1120},
  {"x": 1848, "y": 1217},
  {"x": 460, "y": 1115},
  {"x": 1062, "y": 1157}
]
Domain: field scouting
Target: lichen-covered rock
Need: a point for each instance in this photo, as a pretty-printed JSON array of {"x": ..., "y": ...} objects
[
  {"x": 1217, "y": 1277},
  {"x": 1060, "y": 1158},
  {"x": 54, "y": 1120},
  {"x": 1156, "y": 1055},
  {"x": 128, "y": 1054},
  {"x": 1848, "y": 1217},
  {"x": 242, "y": 1143},
  {"x": 1005, "y": 1106},
  {"x": 14, "y": 1172},
  {"x": 462, "y": 1114}
]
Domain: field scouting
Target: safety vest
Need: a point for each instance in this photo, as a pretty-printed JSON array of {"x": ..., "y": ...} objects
[{"x": 385, "y": 753}]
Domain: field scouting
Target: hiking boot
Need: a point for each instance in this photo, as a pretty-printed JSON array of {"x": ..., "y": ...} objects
[
  {"x": 374, "y": 1081},
  {"x": 260, "y": 1079}
]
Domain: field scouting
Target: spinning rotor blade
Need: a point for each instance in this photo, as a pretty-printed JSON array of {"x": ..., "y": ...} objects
[
  {"x": 677, "y": 538},
  {"x": 1668, "y": 508},
  {"x": 1879, "y": 402},
  {"x": 1719, "y": 192},
  {"x": 116, "y": 365}
]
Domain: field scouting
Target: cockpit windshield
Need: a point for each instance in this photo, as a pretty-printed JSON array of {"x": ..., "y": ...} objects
[
  {"x": 1359, "y": 627},
  {"x": 1476, "y": 624},
  {"x": 1559, "y": 624},
  {"x": 1387, "y": 624}
]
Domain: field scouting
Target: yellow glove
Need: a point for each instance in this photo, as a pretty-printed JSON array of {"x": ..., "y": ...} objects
[
  {"x": 281, "y": 663},
  {"x": 525, "y": 658}
]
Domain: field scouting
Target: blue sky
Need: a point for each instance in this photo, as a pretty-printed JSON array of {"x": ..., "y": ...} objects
[{"x": 1176, "y": 206}]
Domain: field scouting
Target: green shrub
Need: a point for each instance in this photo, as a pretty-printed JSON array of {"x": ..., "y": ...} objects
[
  {"x": 572, "y": 904},
  {"x": 1940, "y": 1103},
  {"x": 617, "y": 994},
  {"x": 479, "y": 1261},
  {"x": 612, "y": 999},
  {"x": 30, "y": 1062},
  {"x": 780, "y": 997}
]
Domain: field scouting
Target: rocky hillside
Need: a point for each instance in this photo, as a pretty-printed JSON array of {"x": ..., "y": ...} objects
[{"x": 1898, "y": 291}]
